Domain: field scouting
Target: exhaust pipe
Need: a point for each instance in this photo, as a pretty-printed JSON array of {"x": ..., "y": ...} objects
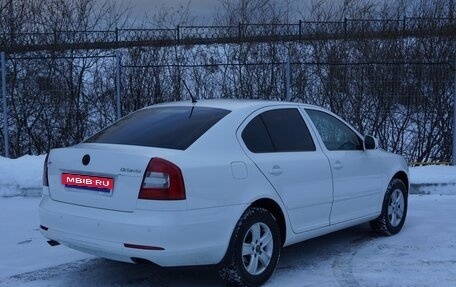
[
  {"x": 142, "y": 261},
  {"x": 53, "y": 243}
]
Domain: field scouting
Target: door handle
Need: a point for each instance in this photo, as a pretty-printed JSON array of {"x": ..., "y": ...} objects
[
  {"x": 338, "y": 164},
  {"x": 276, "y": 170}
]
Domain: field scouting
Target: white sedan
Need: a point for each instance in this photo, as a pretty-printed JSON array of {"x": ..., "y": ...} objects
[{"x": 219, "y": 182}]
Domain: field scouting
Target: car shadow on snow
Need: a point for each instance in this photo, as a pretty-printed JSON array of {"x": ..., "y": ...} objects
[{"x": 294, "y": 260}]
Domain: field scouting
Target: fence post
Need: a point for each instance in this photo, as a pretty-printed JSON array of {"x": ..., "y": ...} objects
[
  {"x": 403, "y": 24},
  {"x": 450, "y": 11},
  {"x": 177, "y": 34},
  {"x": 453, "y": 153},
  {"x": 300, "y": 30},
  {"x": 54, "y": 33},
  {"x": 345, "y": 26},
  {"x": 118, "y": 66},
  {"x": 5, "y": 104},
  {"x": 117, "y": 37},
  {"x": 288, "y": 77}
]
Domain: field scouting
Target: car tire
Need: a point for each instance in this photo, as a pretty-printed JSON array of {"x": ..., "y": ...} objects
[
  {"x": 254, "y": 249},
  {"x": 394, "y": 210}
]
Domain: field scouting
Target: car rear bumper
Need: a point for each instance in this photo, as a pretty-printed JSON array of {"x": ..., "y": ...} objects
[{"x": 190, "y": 237}]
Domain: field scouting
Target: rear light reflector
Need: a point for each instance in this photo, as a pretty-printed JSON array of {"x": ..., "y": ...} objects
[
  {"x": 142, "y": 247},
  {"x": 162, "y": 180},
  {"x": 45, "y": 172}
]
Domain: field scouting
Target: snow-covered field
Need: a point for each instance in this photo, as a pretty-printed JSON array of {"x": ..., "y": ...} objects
[{"x": 423, "y": 254}]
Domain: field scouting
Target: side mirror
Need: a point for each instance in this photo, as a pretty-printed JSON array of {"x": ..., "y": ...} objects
[{"x": 370, "y": 143}]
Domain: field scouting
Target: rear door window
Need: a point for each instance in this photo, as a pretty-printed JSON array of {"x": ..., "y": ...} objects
[
  {"x": 162, "y": 127},
  {"x": 280, "y": 130}
]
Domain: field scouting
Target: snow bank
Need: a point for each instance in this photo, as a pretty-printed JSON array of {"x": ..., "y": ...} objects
[
  {"x": 433, "y": 179},
  {"x": 22, "y": 176},
  {"x": 433, "y": 174}
]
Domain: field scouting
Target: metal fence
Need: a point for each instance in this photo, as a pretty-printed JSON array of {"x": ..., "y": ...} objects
[
  {"x": 21, "y": 42},
  {"x": 57, "y": 98},
  {"x": 406, "y": 105}
]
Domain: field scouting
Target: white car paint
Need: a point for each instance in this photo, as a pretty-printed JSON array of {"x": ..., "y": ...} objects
[
  {"x": 303, "y": 182},
  {"x": 222, "y": 179},
  {"x": 358, "y": 180}
]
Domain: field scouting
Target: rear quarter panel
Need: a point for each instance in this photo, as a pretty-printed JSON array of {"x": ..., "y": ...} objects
[{"x": 218, "y": 173}]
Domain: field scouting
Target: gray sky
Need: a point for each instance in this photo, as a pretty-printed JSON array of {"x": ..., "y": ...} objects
[{"x": 201, "y": 9}]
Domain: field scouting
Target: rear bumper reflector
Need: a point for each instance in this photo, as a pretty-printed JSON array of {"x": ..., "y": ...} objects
[{"x": 143, "y": 247}]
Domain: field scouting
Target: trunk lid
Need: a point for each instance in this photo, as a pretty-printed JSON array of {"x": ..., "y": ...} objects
[{"x": 100, "y": 175}]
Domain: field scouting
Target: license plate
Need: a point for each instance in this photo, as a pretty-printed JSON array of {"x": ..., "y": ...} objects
[{"x": 96, "y": 183}]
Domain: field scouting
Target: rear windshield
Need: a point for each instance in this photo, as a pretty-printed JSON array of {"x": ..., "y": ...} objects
[{"x": 162, "y": 127}]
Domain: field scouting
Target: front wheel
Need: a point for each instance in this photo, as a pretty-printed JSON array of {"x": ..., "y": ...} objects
[
  {"x": 394, "y": 209},
  {"x": 255, "y": 249}
]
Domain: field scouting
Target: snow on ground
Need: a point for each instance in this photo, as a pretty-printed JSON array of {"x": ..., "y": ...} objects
[
  {"x": 434, "y": 179},
  {"x": 22, "y": 248},
  {"x": 423, "y": 254},
  {"x": 433, "y": 174},
  {"x": 21, "y": 176}
]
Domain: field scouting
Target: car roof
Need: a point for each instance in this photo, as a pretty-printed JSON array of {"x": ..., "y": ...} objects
[{"x": 234, "y": 104}]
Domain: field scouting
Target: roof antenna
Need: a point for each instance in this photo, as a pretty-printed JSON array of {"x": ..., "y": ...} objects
[{"x": 190, "y": 93}]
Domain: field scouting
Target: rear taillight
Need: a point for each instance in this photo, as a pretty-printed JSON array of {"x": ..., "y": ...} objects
[
  {"x": 45, "y": 172},
  {"x": 162, "y": 181}
]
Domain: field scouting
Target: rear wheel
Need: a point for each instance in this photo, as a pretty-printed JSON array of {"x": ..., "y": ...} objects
[
  {"x": 394, "y": 209},
  {"x": 255, "y": 249}
]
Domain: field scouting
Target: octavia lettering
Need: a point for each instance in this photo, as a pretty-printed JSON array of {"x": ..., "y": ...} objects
[{"x": 86, "y": 181}]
